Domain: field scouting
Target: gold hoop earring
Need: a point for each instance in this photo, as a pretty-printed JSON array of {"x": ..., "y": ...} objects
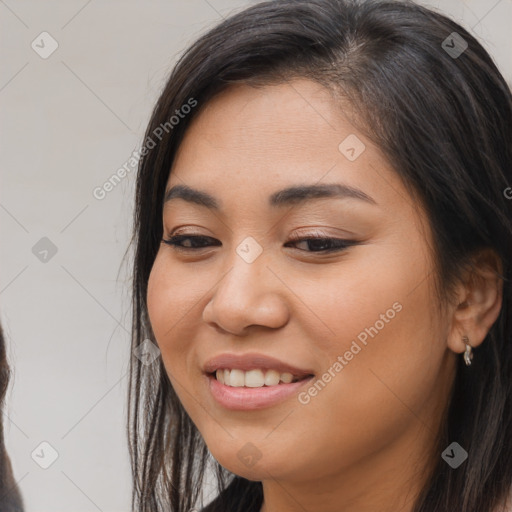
[{"x": 468, "y": 354}]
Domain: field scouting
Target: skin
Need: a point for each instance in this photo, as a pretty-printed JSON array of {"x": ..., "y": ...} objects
[{"x": 366, "y": 441}]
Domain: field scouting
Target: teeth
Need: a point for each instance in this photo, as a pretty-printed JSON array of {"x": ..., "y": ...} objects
[
  {"x": 252, "y": 378},
  {"x": 237, "y": 378},
  {"x": 272, "y": 378},
  {"x": 286, "y": 377}
]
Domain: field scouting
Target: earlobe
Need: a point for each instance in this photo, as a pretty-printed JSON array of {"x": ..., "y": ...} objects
[{"x": 480, "y": 300}]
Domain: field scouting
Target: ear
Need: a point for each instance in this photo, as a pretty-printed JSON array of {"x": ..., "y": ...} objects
[{"x": 480, "y": 296}]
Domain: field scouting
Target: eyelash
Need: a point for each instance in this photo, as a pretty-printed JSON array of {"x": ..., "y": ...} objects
[{"x": 341, "y": 244}]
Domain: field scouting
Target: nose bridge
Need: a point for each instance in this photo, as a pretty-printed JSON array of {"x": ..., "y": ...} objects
[{"x": 244, "y": 281}]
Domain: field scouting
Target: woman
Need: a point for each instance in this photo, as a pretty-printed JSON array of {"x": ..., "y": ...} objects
[
  {"x": 323, "y": 237},
  {"x": 10, "y": 498}
]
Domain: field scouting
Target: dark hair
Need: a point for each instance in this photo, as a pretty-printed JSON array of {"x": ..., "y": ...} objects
[
  {"x": 444, "y": 121},
  {"x": 10, "y": 497}
]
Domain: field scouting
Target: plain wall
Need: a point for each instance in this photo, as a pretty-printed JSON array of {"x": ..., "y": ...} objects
[{"x": 68, "y": 122}]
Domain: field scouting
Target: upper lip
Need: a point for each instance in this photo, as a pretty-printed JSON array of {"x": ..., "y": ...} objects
[{"x": 253, "y": 361}]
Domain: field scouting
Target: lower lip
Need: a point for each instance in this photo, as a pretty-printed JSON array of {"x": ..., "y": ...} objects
[{"x": 250, "y": 399}]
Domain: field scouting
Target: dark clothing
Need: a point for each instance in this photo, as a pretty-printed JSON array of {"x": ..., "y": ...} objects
[{"x": 240, "y": 495}]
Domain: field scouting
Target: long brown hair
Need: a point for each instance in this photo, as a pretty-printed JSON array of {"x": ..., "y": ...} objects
[{"x": 445, "y": 123}]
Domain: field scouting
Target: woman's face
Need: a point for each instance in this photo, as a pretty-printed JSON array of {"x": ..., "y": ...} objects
[{"x": 356, "y": 327}]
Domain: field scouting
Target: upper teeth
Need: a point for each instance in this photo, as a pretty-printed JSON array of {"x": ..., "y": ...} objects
[{"x": 252, "y": 378}]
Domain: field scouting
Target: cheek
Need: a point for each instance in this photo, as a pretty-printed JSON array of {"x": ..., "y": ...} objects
[
  {"x": 170, "y": 297},
  {"x": 386, "y": 384},
  {"x": 381, "y": 295},
  {"x": 159, "y": 299},
  {"x": 378, "y": 319}
]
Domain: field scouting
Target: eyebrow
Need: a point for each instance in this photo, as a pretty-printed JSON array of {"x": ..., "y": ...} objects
[{"x": 288, "y": 196}]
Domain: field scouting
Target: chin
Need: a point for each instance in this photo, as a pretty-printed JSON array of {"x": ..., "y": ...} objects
[{"x": 248, "y": 461}]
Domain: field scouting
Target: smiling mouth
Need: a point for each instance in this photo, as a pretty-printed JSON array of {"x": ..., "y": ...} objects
[{"x": 256, "y": 378}]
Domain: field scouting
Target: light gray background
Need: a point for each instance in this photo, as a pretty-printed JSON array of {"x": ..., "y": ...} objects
[{"x": 68, "y": 123}]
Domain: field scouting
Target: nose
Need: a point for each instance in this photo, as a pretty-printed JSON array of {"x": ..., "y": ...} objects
[{"x": 248, "y": 294}]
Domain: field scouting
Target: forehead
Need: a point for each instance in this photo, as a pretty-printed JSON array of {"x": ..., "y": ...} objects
[
  {"x": 248, "y": 143},
  {"x": 274, "y": 120}
]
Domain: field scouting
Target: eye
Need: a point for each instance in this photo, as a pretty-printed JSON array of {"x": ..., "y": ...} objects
[
  {"x": 322, "y": 244},
  {"x": 176, "y": 242}
]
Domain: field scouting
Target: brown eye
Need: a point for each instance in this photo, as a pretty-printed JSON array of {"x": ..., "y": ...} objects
[
  {"x": 189, "y": 242},
  {"x": 324, "y": 245}
]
